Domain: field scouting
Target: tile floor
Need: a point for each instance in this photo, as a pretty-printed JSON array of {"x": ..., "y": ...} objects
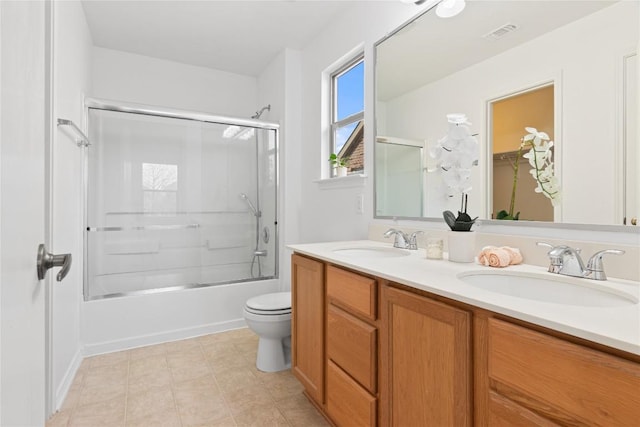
[{"x": 206, "y": 381}]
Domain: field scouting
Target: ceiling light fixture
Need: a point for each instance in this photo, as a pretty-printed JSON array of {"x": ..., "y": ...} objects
[{"x": 450, "y": 8}]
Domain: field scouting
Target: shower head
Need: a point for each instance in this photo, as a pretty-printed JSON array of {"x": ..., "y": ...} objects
[
  {"x": 259, "y": 113},
  {"x": 253, "y": 209}
]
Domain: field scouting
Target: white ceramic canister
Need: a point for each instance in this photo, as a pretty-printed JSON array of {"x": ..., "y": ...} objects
[{"x": 462, "y": 246}]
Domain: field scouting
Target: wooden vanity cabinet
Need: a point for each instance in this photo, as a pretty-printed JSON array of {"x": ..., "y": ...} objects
[
  {"x": 352, "y": 348},
  {"x": 537, "y": 379},
  {"x": 425, "y": 355},
  {"x": 370, "y": 352},
  {"x": 307, "y": 325}
]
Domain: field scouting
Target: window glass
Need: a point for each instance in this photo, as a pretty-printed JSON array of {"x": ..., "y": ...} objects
[
  {"x": 350, "y": 92},
  {"x": 347, "y": 125}
]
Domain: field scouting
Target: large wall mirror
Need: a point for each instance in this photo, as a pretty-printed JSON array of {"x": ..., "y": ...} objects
[{"x": 566, "y": 68}]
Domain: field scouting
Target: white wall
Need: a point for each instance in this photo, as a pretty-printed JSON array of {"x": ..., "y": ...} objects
[
  {"x": 122, "y": 76},
  {"x": 279, "y": 86},
  {"x": 329, "y": 214},
  {"x": 589, "y": 130},
  {"x": 72, "y": 80}
]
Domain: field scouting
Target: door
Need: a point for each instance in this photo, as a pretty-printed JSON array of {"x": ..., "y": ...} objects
[
  {"x": 307, "y": 320},
  {"x": 426, "y": 362},
  {"x": 23, "y": 134}
]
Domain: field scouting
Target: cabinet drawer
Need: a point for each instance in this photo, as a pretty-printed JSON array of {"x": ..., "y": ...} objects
[
  {"x": 564, "y": 382},
  {"x": 352, "y": 344},
  {"x": 348, "y": 404},
  {"x": 353, "y": 291}
]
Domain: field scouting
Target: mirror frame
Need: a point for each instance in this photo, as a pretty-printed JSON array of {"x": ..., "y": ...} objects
[{"x": 480, "y": 222}]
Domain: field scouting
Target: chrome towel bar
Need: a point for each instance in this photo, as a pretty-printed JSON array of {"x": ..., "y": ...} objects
[{"x": 83, "y": 141}]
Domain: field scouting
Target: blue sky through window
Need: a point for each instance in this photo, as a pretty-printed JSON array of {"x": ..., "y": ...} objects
[{"x": 350, "y": 90}]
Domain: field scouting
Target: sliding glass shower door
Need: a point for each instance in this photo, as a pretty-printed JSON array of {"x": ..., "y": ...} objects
[{"x": 175, "y": 202}]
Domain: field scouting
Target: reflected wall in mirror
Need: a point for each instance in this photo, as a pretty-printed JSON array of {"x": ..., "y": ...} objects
[{"x": 494, "y": 49}]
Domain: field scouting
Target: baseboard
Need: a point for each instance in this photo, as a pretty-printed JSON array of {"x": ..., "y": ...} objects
[
  {"x": 67, "y": 380},
  {"x": 162, "y": 337}
]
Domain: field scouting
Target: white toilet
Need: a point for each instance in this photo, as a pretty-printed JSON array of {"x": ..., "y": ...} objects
[{"x": 269, "y": 316}]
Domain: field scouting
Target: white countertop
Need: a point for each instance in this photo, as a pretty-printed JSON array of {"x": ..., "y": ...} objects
[{"x": 617, "y": 327}]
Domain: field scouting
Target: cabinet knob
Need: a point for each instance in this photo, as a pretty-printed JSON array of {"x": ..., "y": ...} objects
[{"x": 634, "y": 221}]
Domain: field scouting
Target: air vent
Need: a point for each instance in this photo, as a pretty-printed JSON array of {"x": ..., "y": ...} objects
[{"x": 500, "y": 32}]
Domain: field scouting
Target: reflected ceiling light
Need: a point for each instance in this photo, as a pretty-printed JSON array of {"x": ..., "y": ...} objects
[{"x": 450, "y": 8}]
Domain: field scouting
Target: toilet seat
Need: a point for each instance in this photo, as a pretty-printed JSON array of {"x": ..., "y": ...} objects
[{"x": 270, "y": 304}]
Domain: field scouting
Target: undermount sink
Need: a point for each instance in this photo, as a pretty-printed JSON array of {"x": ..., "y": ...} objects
[
  {"x": 371, "y": 252},
  {"x": 549, "y": 288}
]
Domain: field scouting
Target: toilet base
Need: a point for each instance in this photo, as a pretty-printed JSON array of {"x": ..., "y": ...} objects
[{"x": 274, "y": 354}]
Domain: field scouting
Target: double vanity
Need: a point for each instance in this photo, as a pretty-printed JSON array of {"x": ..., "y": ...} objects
[{"x": 383, "y": 336}]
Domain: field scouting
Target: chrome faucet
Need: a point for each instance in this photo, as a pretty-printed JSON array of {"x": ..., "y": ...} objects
[
  {"x": 403, "y": 241},
  {"x": 566, "y": 260}
]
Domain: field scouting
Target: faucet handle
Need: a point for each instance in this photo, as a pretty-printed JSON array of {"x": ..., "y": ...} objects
[
  {"x": 555, "y": 258},
  {"x": 545, "y": 244},
  {"x": 413, "y": 239},
  {"x": 400, "y": 239},
  {"x": 595, "y": 266}
]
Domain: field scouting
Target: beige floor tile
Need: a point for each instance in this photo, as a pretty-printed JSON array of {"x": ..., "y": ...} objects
[
  {"x": 147, "y": 365},
  {"x": 112, "y": 374},
  {"x": 243, "y": 399},
  {"x": 223, "y": 350},
  {"x": 101, "y": 393},
  {"x": 108, "y": 359},
  {"x": 227, "y": 422},
  {"x": 181, "y": 346},
  {"x": 164, "y": 419},
  {"x": 155, "y": 403},
  {"x": 203, "y": 386},
  {"x": 201, "y": 409},
  {"x": 151, "y": 350},
  {"x": 72, "y": 398},
  {"x": 159, "y": 378},
  {"x": 220, "y": 365},
  {"x": 59, "y": 419},
  {"x": 284, "y": 389},
  {"x": 206, "y": 381},
  {"x": 236, "y": 379},
  {"x": 108, "y": 414},
  {"x": 188, "y": 372},
  {"x": 261, "y": 416}
]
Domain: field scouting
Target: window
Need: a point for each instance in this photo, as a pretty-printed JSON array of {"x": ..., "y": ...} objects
[
  {"x": 347, "y": 114},
  {"x": 159, "y": 188}
]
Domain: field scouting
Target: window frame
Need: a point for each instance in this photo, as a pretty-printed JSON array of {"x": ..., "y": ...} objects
[{"x": 335, "y": 124}]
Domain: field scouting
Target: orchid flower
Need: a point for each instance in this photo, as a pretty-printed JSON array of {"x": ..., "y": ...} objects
[{"x": 455, "y": 154}]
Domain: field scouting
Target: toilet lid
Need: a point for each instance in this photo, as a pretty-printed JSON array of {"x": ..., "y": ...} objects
[{"x": 279, "y": 301}]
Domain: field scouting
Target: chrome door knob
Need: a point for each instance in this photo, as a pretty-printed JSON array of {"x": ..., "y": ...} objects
[{"x": 47, "y": 260}]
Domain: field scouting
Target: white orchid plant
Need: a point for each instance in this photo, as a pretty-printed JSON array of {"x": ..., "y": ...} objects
[
  {"x": 455, "y": 154},
  {"x": 540, "y": 158}
]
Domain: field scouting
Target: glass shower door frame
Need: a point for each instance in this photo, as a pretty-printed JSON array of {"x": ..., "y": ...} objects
[{"x": 123, "y": 107}]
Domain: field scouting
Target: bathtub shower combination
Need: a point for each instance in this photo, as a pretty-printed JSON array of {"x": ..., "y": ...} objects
[{"x": 177, "y": 200}]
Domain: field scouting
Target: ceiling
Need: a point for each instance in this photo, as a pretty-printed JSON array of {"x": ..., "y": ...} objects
[
  {"x": 238, "y": 36},
  {"x": 406, "y": 61}
]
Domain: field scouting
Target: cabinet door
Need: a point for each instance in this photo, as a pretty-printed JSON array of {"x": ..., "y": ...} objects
[
  {"x": 426, "y": 362},
  {"x": 307, "y": 320}
]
